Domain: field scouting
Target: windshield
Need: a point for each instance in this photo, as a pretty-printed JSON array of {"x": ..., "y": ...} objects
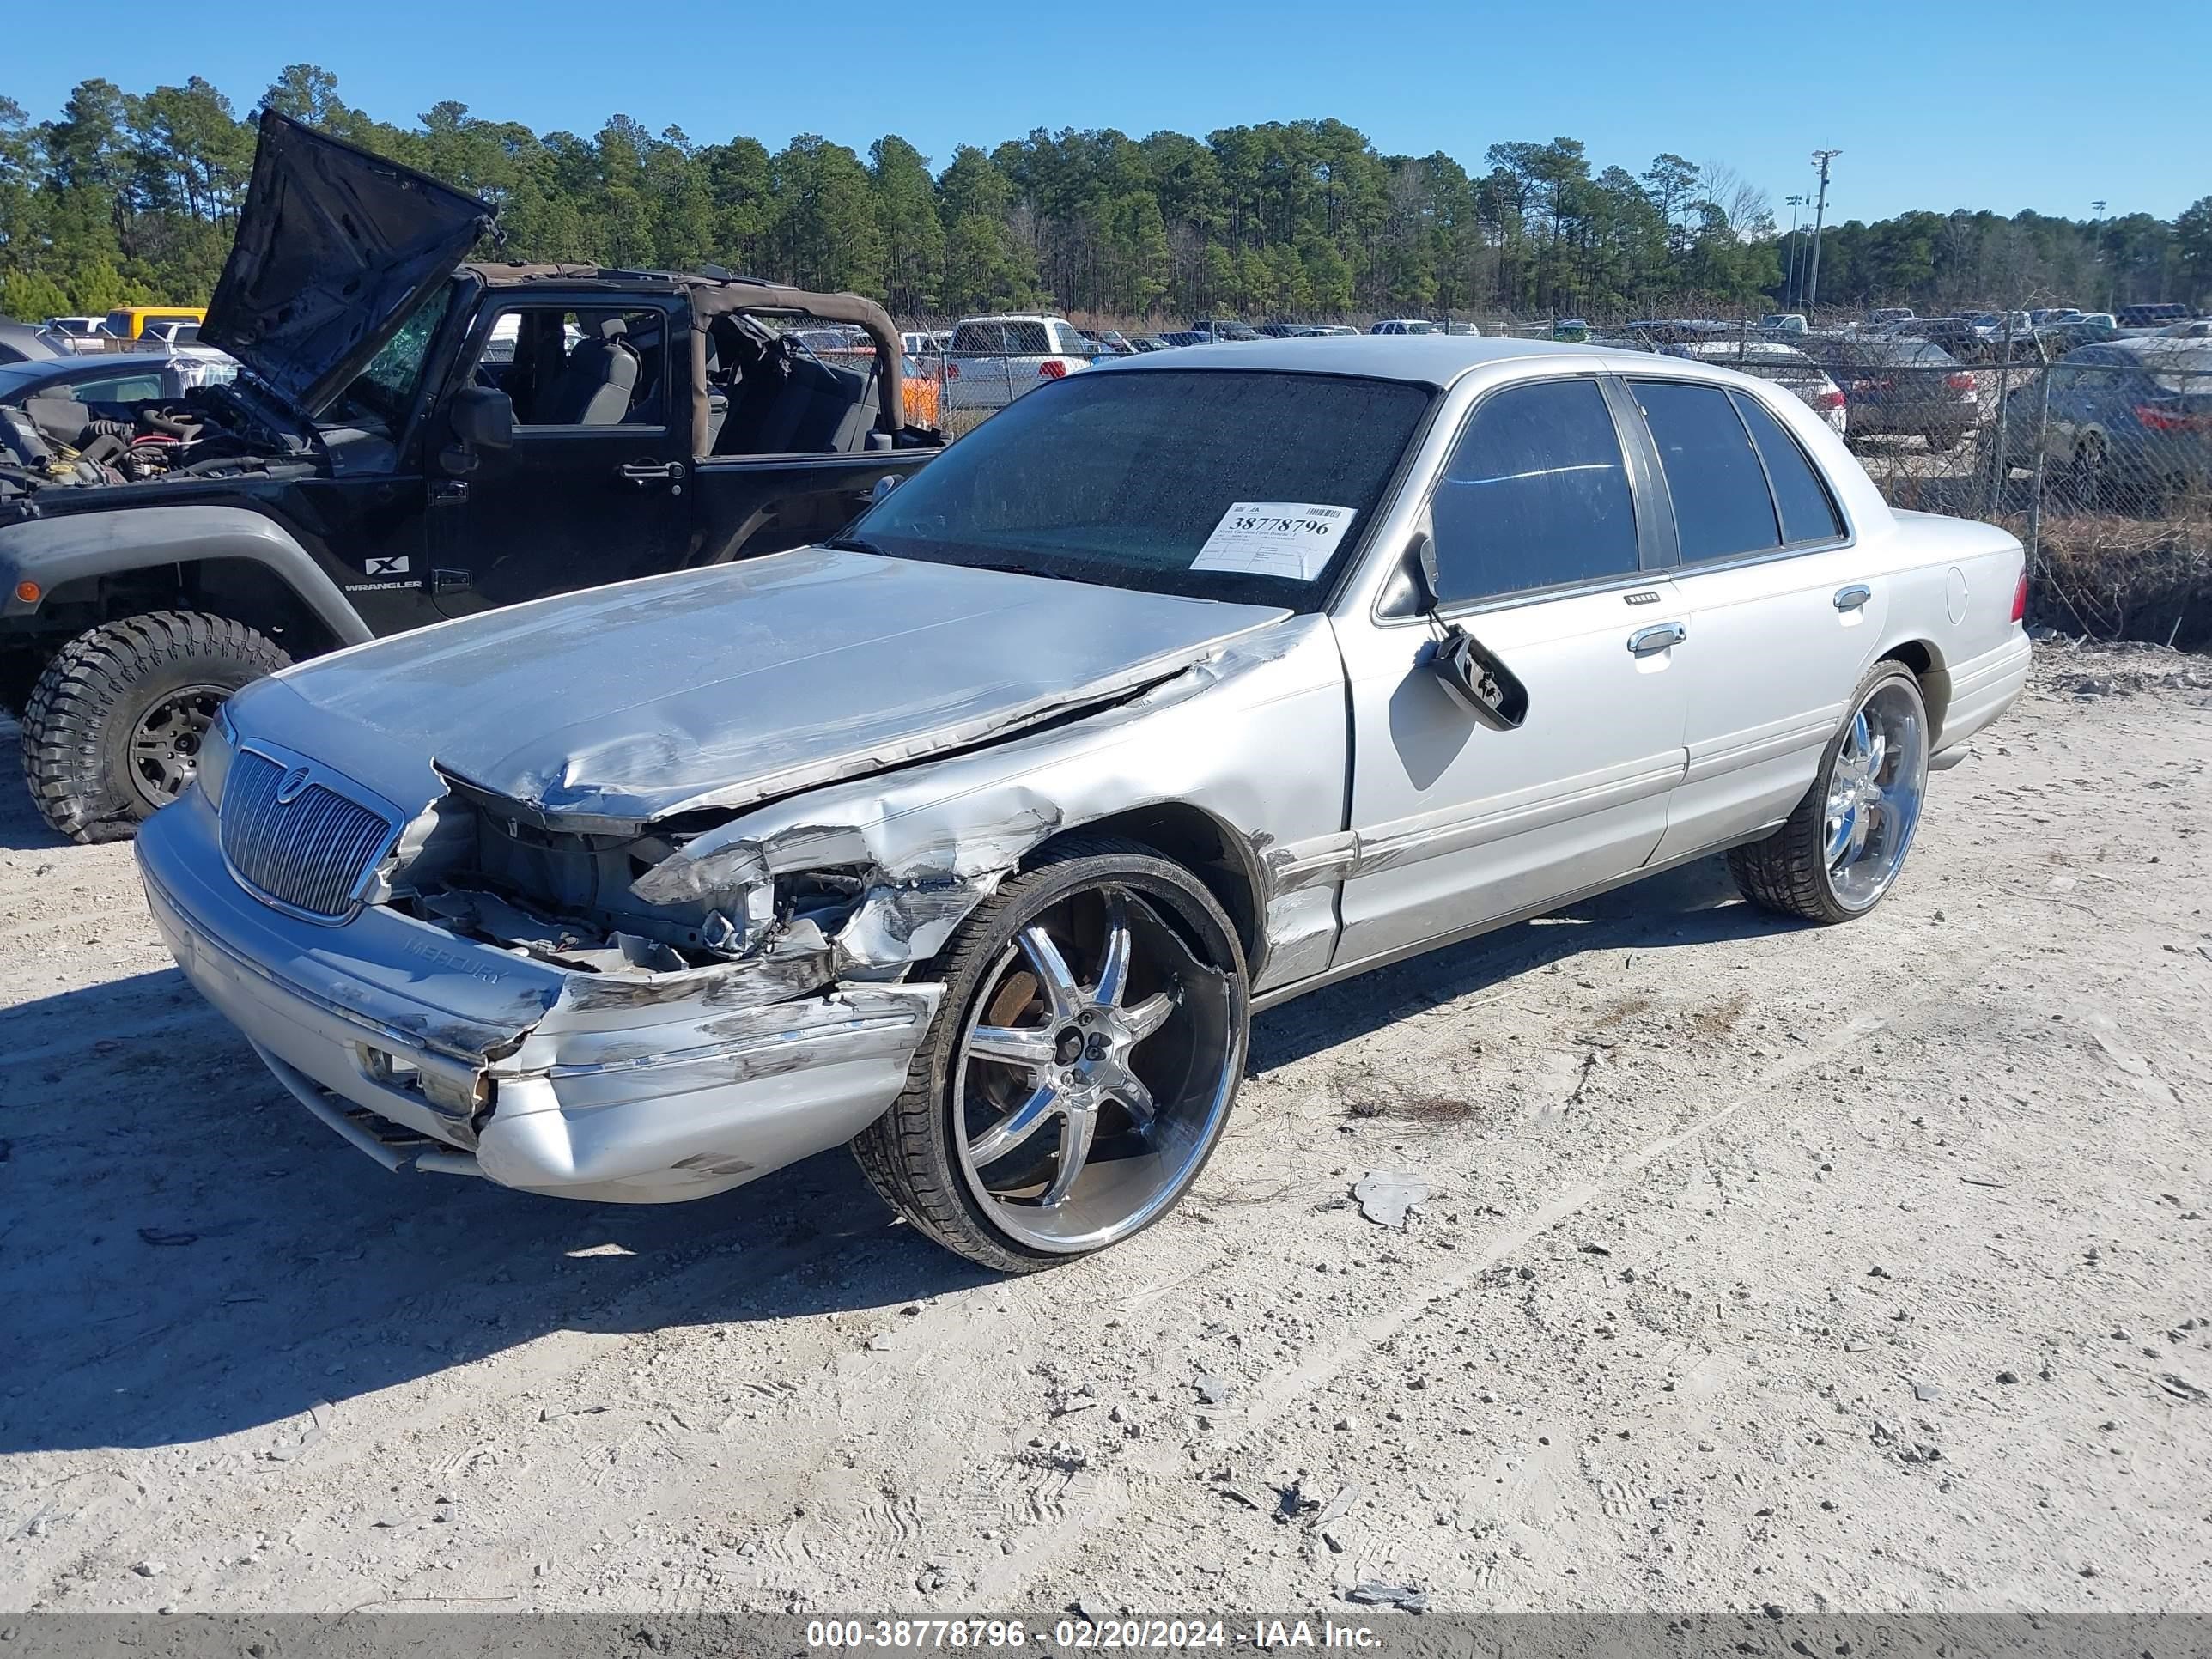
[
  {"x": 386, "y": 389},
  {"x": 1126, "y": 479}
]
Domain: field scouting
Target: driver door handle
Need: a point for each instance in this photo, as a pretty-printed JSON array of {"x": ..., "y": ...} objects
[
  {"x": 1852, "y": 598},
  {"x": 1660, "y": 636},
  {"x": 641, "y": 473}
]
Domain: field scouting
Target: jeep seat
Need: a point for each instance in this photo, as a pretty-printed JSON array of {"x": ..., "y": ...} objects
[{"x": 595, "y": 386}]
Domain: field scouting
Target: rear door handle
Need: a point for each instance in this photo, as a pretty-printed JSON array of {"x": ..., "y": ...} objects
[
  {"x": 1660, "y": 636},
  {"x": 1852, "y": 598},
  {"x": 641, "y": 473}
]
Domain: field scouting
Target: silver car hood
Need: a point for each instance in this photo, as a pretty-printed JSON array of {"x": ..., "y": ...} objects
[{"x": 722, "y": 688}]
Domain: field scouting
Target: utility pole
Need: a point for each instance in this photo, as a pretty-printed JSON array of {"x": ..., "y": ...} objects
[
  {"x": 1789, "y": 277},
  {"x": 1820, "y": 159}
]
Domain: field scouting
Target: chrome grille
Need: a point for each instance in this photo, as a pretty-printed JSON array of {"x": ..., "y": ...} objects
[{"x": 307, "y": 854}]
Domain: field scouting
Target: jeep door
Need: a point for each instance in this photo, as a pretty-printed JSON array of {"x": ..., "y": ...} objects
[
  {"x": 1540, "y": 556},
  {"x": 596, "y": 485}
]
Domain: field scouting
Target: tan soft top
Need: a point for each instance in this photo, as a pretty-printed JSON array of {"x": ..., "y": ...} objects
[{"x": 716, "y": 296}]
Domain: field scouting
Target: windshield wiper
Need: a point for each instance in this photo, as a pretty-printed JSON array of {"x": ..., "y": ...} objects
[
  {"x": 858, "y": 544},
  {"x": 1013, "y": 567}
]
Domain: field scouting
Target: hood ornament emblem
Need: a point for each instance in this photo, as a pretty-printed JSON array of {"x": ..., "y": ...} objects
[{"x": 294, "y": 786}]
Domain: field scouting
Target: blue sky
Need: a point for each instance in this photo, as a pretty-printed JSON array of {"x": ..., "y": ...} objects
[{"x": 2030, "y": 104}]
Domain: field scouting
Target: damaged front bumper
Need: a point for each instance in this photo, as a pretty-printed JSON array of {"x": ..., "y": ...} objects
[{"x": 436, "y": 1052}]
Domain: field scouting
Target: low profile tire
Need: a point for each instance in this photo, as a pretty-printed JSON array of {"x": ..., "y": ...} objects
[
  {"x": 1081, "y": 1067},
  {"x": 1840, "y": 851},
  {"x": 113, "y": 727}
]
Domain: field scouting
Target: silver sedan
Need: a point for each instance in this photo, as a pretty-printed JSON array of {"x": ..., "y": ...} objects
[{"x": 976, "y": 835}]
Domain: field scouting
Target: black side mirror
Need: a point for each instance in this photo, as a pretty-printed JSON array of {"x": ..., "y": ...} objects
[
  {"x": 482, "y": 417},
  {"x": 1485, "y": 686},
  {"x": 1477, "y": 680}
]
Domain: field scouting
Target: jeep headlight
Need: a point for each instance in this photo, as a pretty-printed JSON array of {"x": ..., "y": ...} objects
[{"x": 216, "y": 744}]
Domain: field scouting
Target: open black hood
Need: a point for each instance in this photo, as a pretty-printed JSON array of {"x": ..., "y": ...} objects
[{"x": 335, "y": 248}]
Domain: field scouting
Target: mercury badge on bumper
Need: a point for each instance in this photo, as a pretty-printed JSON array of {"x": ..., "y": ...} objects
[{"x": 976, "y": 835}]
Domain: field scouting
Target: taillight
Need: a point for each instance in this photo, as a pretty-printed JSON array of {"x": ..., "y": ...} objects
[
  {"x": 1052, "y": 369},
  {"x": 1832, "y": 398},
  {"x": 2171, "y": 420},
  {"x": 951, "y": 369},
  {"x": 2019, "y": 597},
  {"x": 1959, "y": 382}
]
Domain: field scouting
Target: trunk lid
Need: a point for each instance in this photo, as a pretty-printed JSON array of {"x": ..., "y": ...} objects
[
  {"x": 726, "y": 687},
  {"x": 336, "y": 247}
]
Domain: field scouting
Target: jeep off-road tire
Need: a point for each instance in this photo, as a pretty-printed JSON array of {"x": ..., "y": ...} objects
[
  {"x": 111, "y": 724},
  {"x": 1180, "y": 996},
  {"x": 1822, "y": 865}
]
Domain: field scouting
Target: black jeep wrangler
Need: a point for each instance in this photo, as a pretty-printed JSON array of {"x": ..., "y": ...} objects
[{"x": 412, "y": 439}]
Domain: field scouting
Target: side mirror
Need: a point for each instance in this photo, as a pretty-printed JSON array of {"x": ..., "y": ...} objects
[
  {"x": 1478, "y": 681},
  {"x": 882, "y": 486},
  {"x": 482, "y": 418}
]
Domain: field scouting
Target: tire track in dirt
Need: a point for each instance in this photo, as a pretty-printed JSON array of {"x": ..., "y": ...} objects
[{"x": 1040, "y": 1556}]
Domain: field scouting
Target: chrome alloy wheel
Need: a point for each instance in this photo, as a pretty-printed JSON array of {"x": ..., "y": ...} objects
[
  {"x": 1084, "y": 1101},
  {"x": 1874, "y": 789}
]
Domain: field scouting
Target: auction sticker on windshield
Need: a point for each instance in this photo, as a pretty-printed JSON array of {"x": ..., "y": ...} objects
[{"x": 1275, "y": 539}]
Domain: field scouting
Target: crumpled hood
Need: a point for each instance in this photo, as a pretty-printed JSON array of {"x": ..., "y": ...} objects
[
  {"x": 722, "y": 688},
  {"x": 335, "y": 249}
]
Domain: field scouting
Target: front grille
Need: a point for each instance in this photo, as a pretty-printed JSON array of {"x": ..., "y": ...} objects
[{"x": 309, "y": 853}]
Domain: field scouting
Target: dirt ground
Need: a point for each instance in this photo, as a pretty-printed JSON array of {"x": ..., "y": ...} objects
[{"x": 1860, "y": 1268}]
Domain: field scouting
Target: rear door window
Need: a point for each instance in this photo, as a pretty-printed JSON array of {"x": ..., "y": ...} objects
[
  {"x": 1722, "y": 507},
  {"x": 1808, "y": 513},
  {"x": 1535, "y": 495}
]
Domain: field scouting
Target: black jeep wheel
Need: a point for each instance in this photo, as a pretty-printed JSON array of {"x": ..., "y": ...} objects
[{"x": 114, "y": 728}]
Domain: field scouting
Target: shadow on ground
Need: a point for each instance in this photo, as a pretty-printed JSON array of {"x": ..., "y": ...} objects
[{"x": 186, "y": 1254}]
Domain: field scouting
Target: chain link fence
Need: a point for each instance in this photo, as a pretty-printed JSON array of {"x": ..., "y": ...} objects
[
  {"x": 2091, "y": 443},
  {"x": 2097, "y": 455}
]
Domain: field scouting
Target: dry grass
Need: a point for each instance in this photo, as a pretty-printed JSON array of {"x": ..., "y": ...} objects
[{"x": 2114, "y": 577}]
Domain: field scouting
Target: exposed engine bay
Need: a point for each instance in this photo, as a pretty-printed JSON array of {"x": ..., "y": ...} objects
[
  {"x": 572, "y": 900},
  {"x": 210, "y": 431}
]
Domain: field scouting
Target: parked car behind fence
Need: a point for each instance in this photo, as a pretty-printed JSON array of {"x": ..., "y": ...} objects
[
  {"x": 1900, "y": 388},
  {"x": 1786, "y": 366},
  {"x": 2126, "y": 425}
]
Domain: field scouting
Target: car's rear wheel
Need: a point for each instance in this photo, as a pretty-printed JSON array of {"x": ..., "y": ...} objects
[
  {"x": 114, "y": 728},
  {"x": 2089, "y": 478},
  {"x": 1081, "y": 1067},
  {"x": 1841, "y": 851}
]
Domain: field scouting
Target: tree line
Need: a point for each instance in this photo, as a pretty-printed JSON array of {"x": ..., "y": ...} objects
[{"x": 127, "y": 197}]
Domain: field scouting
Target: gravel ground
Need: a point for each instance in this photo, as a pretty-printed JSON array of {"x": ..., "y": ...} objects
[{"x": 1860, "y": 1269}]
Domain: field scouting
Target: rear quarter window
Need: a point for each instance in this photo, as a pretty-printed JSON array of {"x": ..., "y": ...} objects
[{"x": 1808, "y": 512}]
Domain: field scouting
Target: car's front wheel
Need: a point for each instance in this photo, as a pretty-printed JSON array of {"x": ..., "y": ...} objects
[
  {"x": 114, "y": 726},
  {"x": 1081, "y": 1067},
  {"x": 1841, "y": 850}
]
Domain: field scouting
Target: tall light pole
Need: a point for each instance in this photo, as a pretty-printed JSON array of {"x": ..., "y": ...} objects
[
  {"x": 1790, "y": 277},
  {"x": 1820, "y": 159},
  {"x": 2097, "y": 248}
]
